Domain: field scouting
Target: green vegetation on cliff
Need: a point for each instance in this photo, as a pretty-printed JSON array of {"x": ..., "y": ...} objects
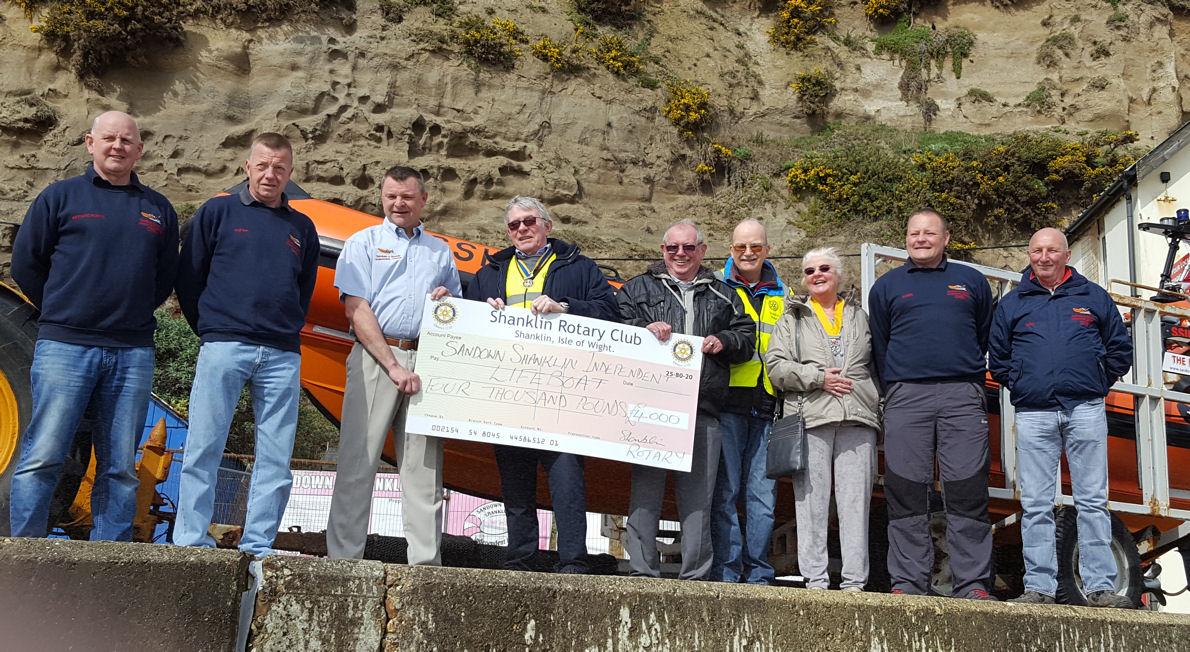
[{"x": 987, "y": 186}]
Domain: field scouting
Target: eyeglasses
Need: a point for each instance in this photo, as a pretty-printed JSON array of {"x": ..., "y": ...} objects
[
  {"x": 685, "y": 248},
  {"x": 754, "y": 247},
  {"x": 529, "y": 223},
  {"x": 821, "y": 268}
]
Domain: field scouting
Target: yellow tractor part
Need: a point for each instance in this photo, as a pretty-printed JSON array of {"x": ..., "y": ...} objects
[
  {"x": 10, "y": 424},
  {"x": 152, "y": 470}
]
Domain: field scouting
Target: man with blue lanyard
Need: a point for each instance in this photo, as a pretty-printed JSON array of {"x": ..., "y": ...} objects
[
  {"x": 746, "y": 418},
  {"x": 384, "y": 275},
  {"x": 545, "y": 275}
]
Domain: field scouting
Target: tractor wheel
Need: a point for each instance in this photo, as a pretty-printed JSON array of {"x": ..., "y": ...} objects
[
  {"x": 1070, "y": 585},
  {"x": 18, "y": 334}
]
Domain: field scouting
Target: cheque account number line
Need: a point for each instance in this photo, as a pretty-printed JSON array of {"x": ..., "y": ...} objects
[{"x": 541, "y": 369}]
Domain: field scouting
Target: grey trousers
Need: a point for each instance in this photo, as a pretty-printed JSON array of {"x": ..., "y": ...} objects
[
  {"x": 694, "y": 492},
  {"x": 845, "y": 454},
  {"x": 371, "y": 405},
  {"x": 946, "y": 420}
]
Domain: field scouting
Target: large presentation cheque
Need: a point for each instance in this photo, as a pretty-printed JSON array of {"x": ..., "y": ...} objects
[{"x": 557, "y": 382}]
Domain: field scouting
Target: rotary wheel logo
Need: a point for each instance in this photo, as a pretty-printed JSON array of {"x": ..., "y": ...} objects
[
  {"x": 683, "y": 351},
  {"x": 445, "y": 313}
]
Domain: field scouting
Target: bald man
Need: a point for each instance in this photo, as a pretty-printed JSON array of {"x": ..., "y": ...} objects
[
  {"x": 1058, "y": 344},
  {"x": 96, "y": 254},
  {"x": 741, "y": 554}
]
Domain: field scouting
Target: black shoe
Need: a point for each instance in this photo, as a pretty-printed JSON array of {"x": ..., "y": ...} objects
[
  {"x": 980, "y": 594},
  {"x": 1032, "y": 597},
  {"x": 1110, "y": 599}
]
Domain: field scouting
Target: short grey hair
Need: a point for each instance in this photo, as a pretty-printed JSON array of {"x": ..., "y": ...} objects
[
  {"x": 831, "y": 255},
  {"x": 686, "y": 222},
  {"x": 529, "y": 204}
]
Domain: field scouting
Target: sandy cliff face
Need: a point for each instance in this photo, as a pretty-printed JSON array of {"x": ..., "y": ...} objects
[{"x": 358, "y": 98}]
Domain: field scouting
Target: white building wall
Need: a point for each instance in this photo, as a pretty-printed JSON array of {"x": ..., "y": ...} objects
[
  {"x": 1151, "y": 207},
  {"x": 1113, "y": 254},
  {"x": 1086, "y": 253}
]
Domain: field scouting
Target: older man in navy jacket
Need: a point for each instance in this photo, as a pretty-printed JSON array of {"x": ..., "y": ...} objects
[
  {"x": 544, "y": 275},
  {"x": 1058, "y": 344}
]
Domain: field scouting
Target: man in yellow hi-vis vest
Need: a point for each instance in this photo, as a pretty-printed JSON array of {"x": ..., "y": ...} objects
[
  {"x": 745, "y": 420},
  {"x": 544, "y": 275}
]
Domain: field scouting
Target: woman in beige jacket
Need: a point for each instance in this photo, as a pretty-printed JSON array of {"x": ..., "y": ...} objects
[{"x": 821, "y": 357}]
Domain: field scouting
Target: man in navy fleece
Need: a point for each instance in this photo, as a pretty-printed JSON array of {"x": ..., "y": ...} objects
[
  {"x": 244, "y": 282},
  {"x": 929, "y": 320},
  {"x": 96, "y": 254},
  {"x": 1058, "y": 344}
]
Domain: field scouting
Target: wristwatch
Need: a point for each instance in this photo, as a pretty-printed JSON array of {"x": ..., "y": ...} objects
[{"x": 565, "y": 306}]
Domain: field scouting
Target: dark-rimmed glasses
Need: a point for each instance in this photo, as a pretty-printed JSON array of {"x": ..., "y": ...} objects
[
  {"x": 529, "y": 222},
  {"x": 821, "y": 268},
  {"x": 672, "y": 249}
]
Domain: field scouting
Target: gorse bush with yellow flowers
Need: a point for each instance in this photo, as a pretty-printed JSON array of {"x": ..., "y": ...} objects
[
  {"x": 798, "y": 22},
  {"x": 1015, "y": 182},
  {"x": 881, "y": 11},
  {"x": 562, "y": 57},
  {"x": 688, "y": 107},
  {"x": 614, "y": 54},
  {"x": 494, "y": 42}
]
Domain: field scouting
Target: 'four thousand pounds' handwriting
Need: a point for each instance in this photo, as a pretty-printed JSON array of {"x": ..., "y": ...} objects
[{"x": 556, "y": 382}]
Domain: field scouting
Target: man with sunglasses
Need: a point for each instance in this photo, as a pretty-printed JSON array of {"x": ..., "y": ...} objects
[
  {"x": 679, "y": 295},
  {"x": 384, "y": 274},
  {"x": 544, "y": 275},
  {"x": 746, "y": 418},
  {"x": 930, "y": 320}
]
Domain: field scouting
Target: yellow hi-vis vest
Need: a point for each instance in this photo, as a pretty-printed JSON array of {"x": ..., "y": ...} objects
[
  {"x": 745, "y": 374},
  {"x": 515, "y": 292}
]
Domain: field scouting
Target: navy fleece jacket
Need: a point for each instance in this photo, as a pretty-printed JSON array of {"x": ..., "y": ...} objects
[
  {"x": 247, "y": 272},
  {"x": 1058, "y": 350},
  {"x": 572, "y": 278},
  {"x": 930, "y": 324},
  {"x": 96, "y": 259}
]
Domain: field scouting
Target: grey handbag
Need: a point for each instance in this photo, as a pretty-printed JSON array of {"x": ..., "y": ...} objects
[{"x": 787, "y": 450}]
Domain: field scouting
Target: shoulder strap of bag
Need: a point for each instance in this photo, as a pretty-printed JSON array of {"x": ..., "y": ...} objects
[{"x": 797, "y": 351}]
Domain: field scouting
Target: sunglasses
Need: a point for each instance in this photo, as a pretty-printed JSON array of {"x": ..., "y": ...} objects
[
  {"x": 821, "y": 268},
  {"x": 754, "y": 247},
  {"x": 529, "y": 223},
  {"x": 684, "y": 248}
]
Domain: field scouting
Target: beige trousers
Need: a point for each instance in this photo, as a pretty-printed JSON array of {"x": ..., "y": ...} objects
[{"x": 371, "y": 405}]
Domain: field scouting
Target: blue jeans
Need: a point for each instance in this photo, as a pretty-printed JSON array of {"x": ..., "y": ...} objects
[
  {"x": 1039, "y": 441},
  {"x": 66, "y": 378},
  {"x": 742, "y": 471},
  {"x": 222, "y": 371}
]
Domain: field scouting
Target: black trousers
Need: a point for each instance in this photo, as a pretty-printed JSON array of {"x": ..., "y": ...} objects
[{"x": 568, "y": 492}]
